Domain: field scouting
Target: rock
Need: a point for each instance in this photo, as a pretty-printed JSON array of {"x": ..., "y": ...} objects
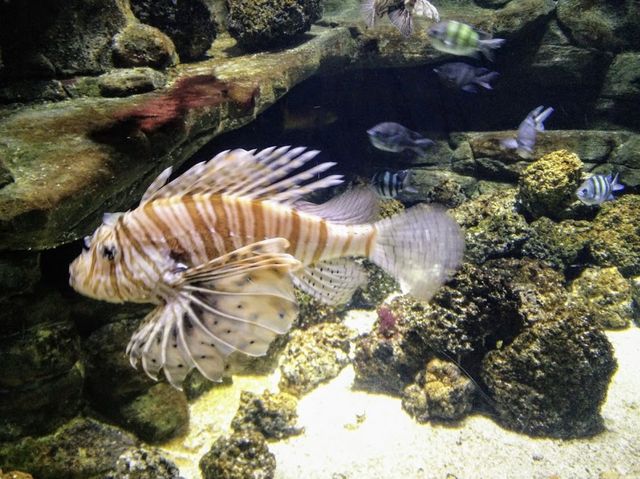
[
  {"x": 622, "y": 82},
  {"x": 15, "y": 475},
  {"x": 23, "y": 311},
  {"x": 157, "y": 415},
  {"x": 311, "y": 311},
  {"x": 83, "y": 447},
  {"x": 314, "y": 356},
  {"x": 24, "y": 91},
  {"x": 387, "y": 359},
  {"x": 558, "y": 244},
  {"x": 42, "y": 352},
  {"x": 602, "y": 25},
  {"x": 267, "y": 24},
  {"x": 493, "y": 227},
  {"x": 239, "y": 456},
  {"x": 440, "y": 186},
  {"x": 19, "y": 272},
  {"x": 138, "y": 463},
  {"x": 548, "y": 185},
  {"x": 40, "y": 407},
  {"x": 606, "y": 295},
  {"x": 379, "y": 286},
  {"x": 626, "y": 160},
  {"x": 614, "y": 237},
  {"x": 140, "y": 45},
  {"x": 130, "y": 81},
  {"x": 272, "y": 415},
  {"x": 552, "y": 379},
  {"x": 46, "y": 40},
  {"x": 188, "y": 23},
  {"x": 440, "y": 392}
]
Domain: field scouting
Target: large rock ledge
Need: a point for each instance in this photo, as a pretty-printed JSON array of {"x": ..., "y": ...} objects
[{"x": 63, "y": 164}]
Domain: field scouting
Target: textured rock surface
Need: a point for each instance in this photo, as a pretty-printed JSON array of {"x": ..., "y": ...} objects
[
  {"x": 239, "y": 456},
  {"x": 606, "y": 295},
  {"x": 548, "y": 185},
  {"x": 264, "y": 24},
  {"x": 82, "y": 448},
  {"x": 440, "y": 392},
  {"x": 140, "y": 45},
  {"x": 314, "y": 356},
  {"x": 552, "y": 379},
  {"x": 272, "y": 415},
  {"x": 138, "y": 463},
  {"x": 130, "y": 81},
  {"x": 187, "y": 22}
]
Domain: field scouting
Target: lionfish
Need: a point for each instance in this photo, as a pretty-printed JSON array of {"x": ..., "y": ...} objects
[{"x": 220, "y": 248}]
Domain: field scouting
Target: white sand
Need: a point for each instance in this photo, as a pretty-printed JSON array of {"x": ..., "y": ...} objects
[{"x": 389, "y": 444}]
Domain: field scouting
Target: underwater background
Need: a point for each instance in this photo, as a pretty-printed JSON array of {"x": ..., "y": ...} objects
[{"x": 523, "y": 365}]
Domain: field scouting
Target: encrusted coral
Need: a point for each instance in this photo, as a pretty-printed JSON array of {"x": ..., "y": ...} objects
[
  {"x": 272, "y": 415},
  {"x": 440, "y": 391},
  {"x": 548, "y": 185},
  {"x": 264, "y": 24},
  {"x": 615, "y": 238},
  {"x": 558, "y": 244},
  {"x": 314, "y": 356},
  {"x": 239, "y": 456},
  {"x": 138, "y": 463},
  {"x": 606, "y": 295}
]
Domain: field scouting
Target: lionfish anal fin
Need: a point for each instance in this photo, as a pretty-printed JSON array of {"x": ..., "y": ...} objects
[
  {"x": 238, "y": 302},
  {"x": 332, "y": 281}
]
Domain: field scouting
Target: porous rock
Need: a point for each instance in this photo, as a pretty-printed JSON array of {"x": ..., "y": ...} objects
[
  {"x": 272, "y": 415},
  {"x": 83, "y": 447},
  {"x": 606, "y": 295},
  {"x": 548, "y": 185},
  {"x": 157, "y": 415},
  {"x": 125, "y": 82},
  {"x": 553, "y": 378},
  {"x": 139, "y": 463},
  {"x": 440, "y": 392},
  {"x": 264, "y": 24},
  {"x": 188, "y": 23},
  {"x": 239, "y": 456},
  {"x": 614, "y": 238},
  {"x": 140, "y": 45},
  {"x": 19, "y": 272},
  {"x": 314, "y": 356}
]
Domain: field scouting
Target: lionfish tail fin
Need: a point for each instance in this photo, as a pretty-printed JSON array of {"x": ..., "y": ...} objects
[
  {"x": 238, "y": 302},
  {"x": 421, "y": 248}
]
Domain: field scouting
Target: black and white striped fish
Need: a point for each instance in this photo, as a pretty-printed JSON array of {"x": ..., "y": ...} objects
[
  {"x": 219, "y": 250},
  {"x": 598, "y": 188},
  {"x": 389, "y": 184}
]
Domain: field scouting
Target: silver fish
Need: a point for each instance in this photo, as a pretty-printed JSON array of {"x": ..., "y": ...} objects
[
  {"x": 460, "y": 75},
  {"x": 598, "y": 188},
  {"x": 525, "y": 141},
  {"x": 389, "y": 184},
  {"x": 400, "y": 12},
  {"x": 394, "y": 137},
  {"x": 459, "y": 38}
]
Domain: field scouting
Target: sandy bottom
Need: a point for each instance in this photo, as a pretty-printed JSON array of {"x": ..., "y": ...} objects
[{"x": 353, "y": 435}]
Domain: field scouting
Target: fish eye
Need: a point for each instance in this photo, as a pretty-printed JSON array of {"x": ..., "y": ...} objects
[
  {"x": 109, "y": 252},
  {"x": 86, "y": 243}
]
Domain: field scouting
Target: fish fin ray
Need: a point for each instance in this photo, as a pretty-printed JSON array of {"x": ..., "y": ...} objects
[
  {"x": 357, "y": 205},
  {"x": 156, "y": 184},
  {"x": 423, "y": 8},
  {"x": 332, "y": 281},
  {"x": 368, "y": 12},
  {"x": 401, "y": 19}
]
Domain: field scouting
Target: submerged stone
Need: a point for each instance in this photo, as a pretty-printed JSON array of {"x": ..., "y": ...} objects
[
  {"x": 141, "y": 45},
  {"x": 138, "y": 463},
  {"x": 125, "y": 82},
  {"x": 272, "y": 415},
  {"x": 239, "y": 456}
]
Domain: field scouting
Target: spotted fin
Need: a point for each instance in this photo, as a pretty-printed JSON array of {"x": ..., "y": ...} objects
[
  {"x": 269, "y": 174},
  {"x": 333, "y": 281},
  {"x": 238, "y": 302},
  {"x": 357, "y": 205}
]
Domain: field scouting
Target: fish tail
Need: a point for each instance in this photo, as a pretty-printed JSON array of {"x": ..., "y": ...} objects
[
  {"x": 615, "y": 186},
  {"x": 488, "y": 45},
  {"x": 485, "y": 79},
  {"x": 421, "y": 248}
]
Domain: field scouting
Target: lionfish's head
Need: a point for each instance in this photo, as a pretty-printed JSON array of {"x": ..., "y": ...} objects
[{"x": 105, "y": 270}]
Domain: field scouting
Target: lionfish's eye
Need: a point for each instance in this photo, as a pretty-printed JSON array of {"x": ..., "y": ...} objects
[
  {"x": 86, "y": 243},
  {"x": 109, "y": 252}
]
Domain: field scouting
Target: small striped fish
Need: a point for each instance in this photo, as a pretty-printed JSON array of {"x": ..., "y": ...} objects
[
  {"x": 459, "y": 38},
  {"x": 219, "y": 250},
  {"x": 389, "y": 184},
  {"x": 598, "y": 189}
]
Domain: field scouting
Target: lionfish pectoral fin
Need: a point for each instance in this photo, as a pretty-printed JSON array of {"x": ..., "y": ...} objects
[
  {"x": 401, "y": 19},
  {"x": 509, "y": 143},
  {"x": 357, "y": 205},
  {"x": 156, "y": 184},
  {"x": 423, "y": 8},
  {"x": 368, "y": 12},
  {"x": 332, "y": 281},
  {"x": 269, "y": 174},
  {"x": 238, "y": 302}
]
